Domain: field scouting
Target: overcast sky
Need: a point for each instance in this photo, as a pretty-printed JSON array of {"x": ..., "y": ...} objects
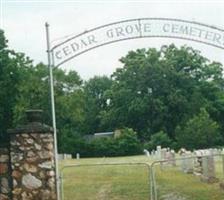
[{"x": 23, "y": 23}]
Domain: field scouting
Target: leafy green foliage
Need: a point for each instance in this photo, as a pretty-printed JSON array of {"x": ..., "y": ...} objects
[
  {"x": 126, "y": 143},
  {"x": 25, "y": 86},
  {"x": 12, "y": 68},
  {"x": 159, "y": 90},
  {"x": 158, "y": 139},
  {"x": 167, "y": 96},
  {"x": 199, "y": 132},
  {"x": 96, "y": 102}
]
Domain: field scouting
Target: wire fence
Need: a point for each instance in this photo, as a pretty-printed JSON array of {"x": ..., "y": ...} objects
[
  {"x": 106, "y": 181},
  {"x": 186, "y": 177},
  {"x": 182, "y": 178}
]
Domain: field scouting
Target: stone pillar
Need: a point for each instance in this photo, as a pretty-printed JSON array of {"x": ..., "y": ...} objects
[
  {"x": 5, "y": 174},
  {"x": 32, "y": 160}
]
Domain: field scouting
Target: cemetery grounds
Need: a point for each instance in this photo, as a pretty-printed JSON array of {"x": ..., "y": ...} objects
[{"x": 131, "y": 182}]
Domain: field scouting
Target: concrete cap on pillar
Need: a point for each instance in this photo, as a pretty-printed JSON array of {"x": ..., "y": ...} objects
[
  {"x": 34, "y": 115},
  {"x": 34, "y": 124}
]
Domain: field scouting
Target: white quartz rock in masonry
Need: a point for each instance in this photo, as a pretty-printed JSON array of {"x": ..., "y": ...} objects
[
  {"x": 16, "y": 157},
  {"x": 29, "y": 140},
  {"x": 4, "y": 158},
  {"x": 46, "y": 165},
  {"x": 5, "y": 185},
  {"x": 45, "y": 154},
  {"x": 37, "y": 146},
  {"x": 31, "y": 182},
  {"x": 30, "y": 168}
]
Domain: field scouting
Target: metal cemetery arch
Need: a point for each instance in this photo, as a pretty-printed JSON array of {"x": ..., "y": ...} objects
[
  {"x": 134, "y": 29},
  {"x": 125, "y": 30}
]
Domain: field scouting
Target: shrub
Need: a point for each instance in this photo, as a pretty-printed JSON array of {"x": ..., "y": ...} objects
[
  {"x": 199, "y": 132},
  {"x": 125, "y": 144},
  {"x": 158, "y": 139}
]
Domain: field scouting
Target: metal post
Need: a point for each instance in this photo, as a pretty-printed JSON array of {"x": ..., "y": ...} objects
[
  {"x": 223, "y": 164},
  {"x": 152, "y": 185},
  {"x": 62, "y": 186},
  {"x": 53, "y": 110}
]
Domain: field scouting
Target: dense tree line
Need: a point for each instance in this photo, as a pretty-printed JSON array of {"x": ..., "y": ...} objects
[{"x": 171, "y": 96}]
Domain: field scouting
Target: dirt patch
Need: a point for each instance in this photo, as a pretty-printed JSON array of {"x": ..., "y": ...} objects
[
  {"x": 172, "y": 196},
  {"x": 103, "y": 192}
]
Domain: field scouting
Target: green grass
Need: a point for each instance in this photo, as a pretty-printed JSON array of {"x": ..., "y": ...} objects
[{"x": 131, "y": 182}]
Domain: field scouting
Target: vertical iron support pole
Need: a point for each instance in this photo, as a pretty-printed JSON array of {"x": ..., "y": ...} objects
[
  {"x": 53, "y": 110},
  {"x": 62, "y": 186},
  {"x": 151, "y": 184},
  {"x": 223, "y": 165},
  {"x": 154, "y": 179}
]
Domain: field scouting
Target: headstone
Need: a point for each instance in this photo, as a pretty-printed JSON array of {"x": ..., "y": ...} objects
[
  {"x": 173, "y": 155},
  {"x": 221, "y": 185},
  {"x": 198, "y": 163},
  {"x": 187, "y": 164},
  {"x": 146, "y": 152},
  {"x": 158, "y": 152},
  {"x": 208, "y": 167},
  {"x": 77, "y": 156},
  {"x": 163, "y": 153},
  {"x": 163, "y": 157},
  {"x": 60, "y": 157}
]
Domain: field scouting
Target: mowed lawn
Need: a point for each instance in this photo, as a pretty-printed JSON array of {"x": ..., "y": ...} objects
[{"x": 131, "y": 182}]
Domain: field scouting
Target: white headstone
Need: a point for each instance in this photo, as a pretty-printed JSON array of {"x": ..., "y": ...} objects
[
  {"x": 187, "y": 164},
  {"x": 158, "y": 152},
  {"x": 146, "y": 152},
  {"x": 208, "y": 166}
]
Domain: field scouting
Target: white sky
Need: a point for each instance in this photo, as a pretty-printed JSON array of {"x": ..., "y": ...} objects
[{"x": 23, "y": 23}]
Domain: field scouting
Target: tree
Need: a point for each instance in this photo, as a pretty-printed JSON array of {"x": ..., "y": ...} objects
[
  {"x": 26, "y": 86},
  {"x": 33, "y": 93},
  {"x": 69, "y": 101},
  {"x": 12, "y": 68},
  {"x": 159, "y": 90},
  {"x": 199, "y": 132},
  {"x": 96, "y": 102},
  {"x": 157, "y": 93}
]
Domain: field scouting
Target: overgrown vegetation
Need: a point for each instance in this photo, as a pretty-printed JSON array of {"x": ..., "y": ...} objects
[{"x": 171, "y": 96}]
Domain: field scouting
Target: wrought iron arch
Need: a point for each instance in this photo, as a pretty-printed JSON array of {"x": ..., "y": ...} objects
[{"x": 135, "y": 29}]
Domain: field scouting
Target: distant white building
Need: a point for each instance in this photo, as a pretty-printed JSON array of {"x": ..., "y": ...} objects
[
  {"x": 99, "y": 135},
  {"x": 114, "y": 134},
  {"x": 103, "y": 135}
]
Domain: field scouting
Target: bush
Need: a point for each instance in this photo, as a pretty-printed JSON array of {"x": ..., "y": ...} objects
[
  {"x": 199, "y": 132},
  {"x": 158, "y": 139},
  {"x": 128, "y": 143},
  {"x": 125, "y": 144}
]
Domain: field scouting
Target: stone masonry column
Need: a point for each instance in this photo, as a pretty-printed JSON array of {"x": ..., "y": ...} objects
[
  {"x": 5, "y": 179},
  {"x": 32, "y": 160}
]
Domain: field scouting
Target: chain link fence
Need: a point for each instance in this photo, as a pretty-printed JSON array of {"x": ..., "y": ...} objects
[
  {"x": 183, "y": 178},
  {"x": 113, "y": 181},
  {"x": 187, "y": 178}
]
